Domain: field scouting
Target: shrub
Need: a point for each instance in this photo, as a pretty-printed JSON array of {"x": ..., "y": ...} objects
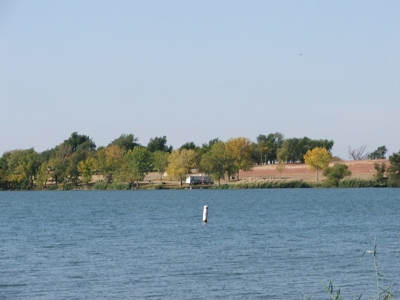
[
  {"x": 52, "y": 187},
  {"x": 335, "y": 174},
  {"x": 359, "y": 183},
  {"x": 119, "y": 186},
  {"x": 99, "y": 186},
  {"x": 68, "y": 186},
  {"x": 270, "y": 185}
]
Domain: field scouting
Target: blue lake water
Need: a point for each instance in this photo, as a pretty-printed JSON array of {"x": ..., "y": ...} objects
[{"x": 257, "y": 244}]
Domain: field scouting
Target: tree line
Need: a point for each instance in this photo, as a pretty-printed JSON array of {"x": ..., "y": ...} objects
[{"x": 77, "y": 159}]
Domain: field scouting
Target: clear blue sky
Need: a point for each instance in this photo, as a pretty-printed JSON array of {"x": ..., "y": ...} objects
[{"x": 197, "y": 70}]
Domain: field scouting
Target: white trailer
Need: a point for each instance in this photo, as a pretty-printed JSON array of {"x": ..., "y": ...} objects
[{"x": 199, "y": 179}]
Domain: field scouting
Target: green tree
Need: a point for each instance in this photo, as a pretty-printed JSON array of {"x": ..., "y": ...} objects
[
  {"x": 378, "y": 153},
  {"x": 294, "y": 149},
  {"x": 108, "y": 161},
  {"x": 159, "y": 144},
  {"x": 160, "y": 162},
  {"x": 78, "y": 140},
  {"x": 289, "y": 151},
  {"x": 379, "y": 176},
  {"x": 240, "y": 150},
  {"x": 4, "y": 182},
  {"x": 274, "y": 142},
  {"x": 86, "y": 169},
  {"x": 126, "y": 142},
  {"x": 42, "y": 176},
  {"x": 335, "y": 173},
  {"x": 72, "y": 172},
  {"x": 394, "y": 170},
  {"x": 57, "y": 168},
  {"x": 189, "y": 146},
  {"x": 263, "y": 148},
  {"x": 216, "y": 161},
  {"x": 137, "y": 165},
  {"x": 180, "y": 162},
  {"x": 22, "y": 167},
  {"x": 317, "y": 159}
]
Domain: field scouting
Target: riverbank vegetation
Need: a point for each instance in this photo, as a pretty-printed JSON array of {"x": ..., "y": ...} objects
[{"x": 77, "y": 163}]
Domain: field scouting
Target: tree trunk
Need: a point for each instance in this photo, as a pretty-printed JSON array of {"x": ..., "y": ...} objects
[{"x": 317, "y": 173}]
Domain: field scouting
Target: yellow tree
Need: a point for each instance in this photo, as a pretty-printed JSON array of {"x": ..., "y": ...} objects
[
  {"x": 317, "y": 159},
  {"x": 239, "y": 150},
  {"x": 180, "y": 162},
  {"x": 109, "y": 161},
  {"x": 42, "y": 176},
  {"x": 86, "y": 168}
]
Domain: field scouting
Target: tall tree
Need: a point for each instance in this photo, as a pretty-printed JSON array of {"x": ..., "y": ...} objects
[
  {"x": 378, "y": 153},
  {"x": 274, "y": 142},
  {"x": 159, "y": 144},
  {"x": 109, "y": 161},
  {"x": 4, "y": 182},
  {"x": 180, "y": 162},
  {"x": 263, "y": 148},
  {"x": 317, "y": 159},
  {"x": 160, "y": 162},
  {"x": 394, "y": 170},
  {"x": 57, "y": 169},
  {"x": 380, "y": 172},
  {"x": 189, "y": 146},
  {"x": 23, "y": 166},
  {"x": 216, "y": 161},
  {"x": 79, "y": 140},
  {"x": 137, "y": 163},
  {"x": 86, "y": 169},
  {"x": 126, "y": 142},
  {"x": 240, "y": 150}
]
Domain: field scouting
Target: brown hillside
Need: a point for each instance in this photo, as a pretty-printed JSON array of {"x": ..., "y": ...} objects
[{"x": 359, "y": 169}]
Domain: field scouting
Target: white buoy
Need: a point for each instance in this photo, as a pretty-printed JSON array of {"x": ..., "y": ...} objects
[{"x": 205, "y": 213}]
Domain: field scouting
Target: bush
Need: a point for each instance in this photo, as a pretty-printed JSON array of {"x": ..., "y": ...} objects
[
  {"x": 359, "y": 183},
  {"x": 270, "y": 185},
  {"x": 335, "y": 174},
  {"x": 68, "y": 186},
  {"x": 118, "y": 186},
  {"x": 52, "y": 187},
  {"x": 99, "y": 186},
  {"x": 157, "y": 187}
]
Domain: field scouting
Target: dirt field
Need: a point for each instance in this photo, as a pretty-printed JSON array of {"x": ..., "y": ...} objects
[{"x": 360, "y": 169}]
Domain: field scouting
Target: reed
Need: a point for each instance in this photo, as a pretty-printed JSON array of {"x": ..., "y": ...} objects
[
  {"x": 99, "y": 186},
  {"x": 118, "y": 186},
  {"x": 360, "y": 183},
  {"x": 269, "y": 185}
]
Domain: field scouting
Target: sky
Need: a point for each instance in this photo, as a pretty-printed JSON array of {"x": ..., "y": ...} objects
[{"x": 198, "y": 70}]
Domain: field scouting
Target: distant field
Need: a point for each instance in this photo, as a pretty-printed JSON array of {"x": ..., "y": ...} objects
[
  {"x": 360, "y": 169},
  {"x": 363, "y": 169}
]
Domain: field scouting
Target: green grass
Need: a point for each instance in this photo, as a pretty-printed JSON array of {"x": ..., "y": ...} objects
[
  {"x": 270, "y": 185},
  {"x": 360, "y": 183}
]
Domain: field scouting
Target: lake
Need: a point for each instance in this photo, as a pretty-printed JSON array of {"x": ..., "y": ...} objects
[{"x": 257, "y": 244}]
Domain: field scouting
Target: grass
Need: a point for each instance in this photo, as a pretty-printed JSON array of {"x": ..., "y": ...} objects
[
  {"x": 360, "y": 183},
  {"x": 270, "y": 185}
]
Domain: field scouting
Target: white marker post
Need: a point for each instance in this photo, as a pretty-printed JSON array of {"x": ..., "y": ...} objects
[{"x": 205, "y": 213}]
